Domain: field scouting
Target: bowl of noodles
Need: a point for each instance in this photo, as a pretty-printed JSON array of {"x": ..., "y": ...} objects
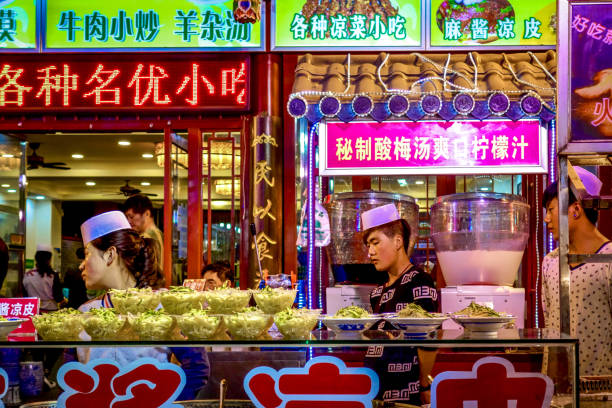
[
  {"x": 415, "y": 321},
  {"x": 481, "y": 320}
]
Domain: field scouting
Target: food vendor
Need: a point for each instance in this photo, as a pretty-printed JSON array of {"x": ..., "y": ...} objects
[
  {"x": 590, "y": 283},
  {"x": 387, "y": 237},
  {"x": 117, "y": 257}
]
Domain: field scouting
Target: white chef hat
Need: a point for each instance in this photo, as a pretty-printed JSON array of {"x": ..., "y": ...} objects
[
  {"x": 591, "y": 183},
  {"x": 102, "y": 224},
  {"x": 44, "y": 247},
  {"x": 378, "y": 216}
]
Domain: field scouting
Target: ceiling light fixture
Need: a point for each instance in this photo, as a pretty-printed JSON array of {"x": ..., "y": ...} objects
[
  {"x": 40, "y": 197},
  {"x": 11, "y": 190},
  {"x": 419, "y": 182},
  {"x": 484, "y": 188},
  {"x": 147, "y": 156},
  {"x": 90, "y": 183},
  {"x": 124, "y": 143},
  {"x": 77, "y": 156},
  {"x": 8, "y": 156},
  {"x": 6, "y": 185},
  {"x": 145, "y": 183}
]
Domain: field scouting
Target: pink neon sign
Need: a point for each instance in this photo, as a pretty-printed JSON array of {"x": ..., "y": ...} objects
[{"x": 456, "y": 147}]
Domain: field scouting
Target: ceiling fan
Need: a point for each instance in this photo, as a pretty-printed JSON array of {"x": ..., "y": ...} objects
[
  {"x": 35, "y": 161},
  {"x": 128, "y": 191}
]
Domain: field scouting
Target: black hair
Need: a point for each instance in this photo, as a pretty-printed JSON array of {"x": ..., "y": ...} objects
[
  {"x": 222, "y": 269},
  {"x": 43, "y": 263},
  {"x": 551, "y": 193},
  {"x": 80, "y": 253},
  {"x": 139, "y": 204},
  {"x": 391, "y": 229},
  {"x": 138, "y": 254}
]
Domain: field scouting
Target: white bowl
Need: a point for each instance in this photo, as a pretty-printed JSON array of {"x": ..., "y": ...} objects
[
  {"x": 416, "y": 326},
  {"x": 483, "y": 325},
  {"x": 349, "y": 324},
  {"x": 9, "y": 325}
]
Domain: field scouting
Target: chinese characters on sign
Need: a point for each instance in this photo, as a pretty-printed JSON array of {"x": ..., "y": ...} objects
[
  {"x": 479, "y": 29},
  {"x": 193, "y": 84},
  {"x": 264, "y": 179},
  {"x": 18, "y": 25},
  {"x": 160, "y": 24},
  {"x": 340, "y": 27},
  {"x": 591, "y": 71},
  {"x": 20, "y": 308},
  {"x": 458, "y": 147}
]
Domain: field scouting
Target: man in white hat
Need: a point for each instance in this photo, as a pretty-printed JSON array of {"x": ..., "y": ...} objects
[
  {"x": 590, "y": 283},
  {"x": 387, "y": 237}
]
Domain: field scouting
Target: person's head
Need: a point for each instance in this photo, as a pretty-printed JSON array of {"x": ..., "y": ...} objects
[
  {"x": 139, "y": 211},
  {"x": 116, "y": 256},
  {"x": 42, "y": 258},
  {"x": 577, "y": 214},
  {"x": 386, "y": 235},
  {"x": 80, "y": 253},
  {"x": 216, "y": 274}
]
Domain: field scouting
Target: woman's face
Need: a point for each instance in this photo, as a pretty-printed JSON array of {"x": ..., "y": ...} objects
[
  {"x": 93, "y": 268},
  {"x": 381, "y": 250}
]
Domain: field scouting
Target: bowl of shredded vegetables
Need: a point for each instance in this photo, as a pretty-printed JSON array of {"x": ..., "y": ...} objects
[
  {"x": 135, "y": 300},
  {"x": 64, "y": 324},
  {"x": 296, "y": 324},
  {"x": 152, "y": 325},
  {"x": 198, "y": 324},
  {"x": 103, "y": 323},
  {"x": 274, "y": 300},
  {"x": 350, "y": 319},
  {"x": 181, "y": 299},
  {"x": 481, "y": 320},
  {"x": 415, "y": 321},
  {"x": 226, "y": 300},
  {"x": 248, "y": 324}
]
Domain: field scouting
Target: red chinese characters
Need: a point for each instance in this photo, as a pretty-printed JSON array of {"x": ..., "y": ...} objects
[
  {"x": 145, "y": 85},
  {"x": 103, "y": 383},
  {"x": 491, "y": 383}
]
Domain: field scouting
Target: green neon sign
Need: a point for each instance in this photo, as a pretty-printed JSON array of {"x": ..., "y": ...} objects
[
  {"x": 457, "y": 23},
  {"x": 18, "y": 24},
  {"x": 154, "y": 24},
  {"x": 306, "y": 25}
]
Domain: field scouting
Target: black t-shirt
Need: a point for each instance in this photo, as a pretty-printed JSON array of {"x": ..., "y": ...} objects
[{"x": 398, "y": 367}]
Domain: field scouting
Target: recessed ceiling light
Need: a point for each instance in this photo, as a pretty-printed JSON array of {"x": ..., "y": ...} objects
[
  {"x": 8, "y": 156},
  {"x": 484, "y": 188},
  {"x": 145, "y": 183},
  {"x": 124, "y": 143},
  {"x": 90, "y": 183},
  {"x": 147, "y": 156},
  {"x": 40, "y": 197},
  {"x": 419, "y": 182},
  {"x": 77, "y": 156},
  {"x": 6, "y": 185},
  {"x": 11, "y": 190}
]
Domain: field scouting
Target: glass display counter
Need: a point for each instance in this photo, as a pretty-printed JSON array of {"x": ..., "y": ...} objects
[{"x": 516, "y": 368}]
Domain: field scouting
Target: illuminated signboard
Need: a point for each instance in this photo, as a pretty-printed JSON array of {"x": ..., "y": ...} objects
[
  {"x": 494, "y": 23},
  {"x": 17, "y": 25},
  {"x": 380, "y": 24},
  {"x": 591, "y": 72},
  {"x": 436, "y": 147},
  {"x": 161, "y": 24},
  {"x": 112, "y": 84}
]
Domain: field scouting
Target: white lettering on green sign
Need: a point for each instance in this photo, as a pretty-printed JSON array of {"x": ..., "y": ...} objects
[
  {"x": 479, "y": 29},
  {"x": 340, "y": 27}
]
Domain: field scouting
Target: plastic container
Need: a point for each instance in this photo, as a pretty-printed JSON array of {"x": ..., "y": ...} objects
[{"x": 31, "y": 378}]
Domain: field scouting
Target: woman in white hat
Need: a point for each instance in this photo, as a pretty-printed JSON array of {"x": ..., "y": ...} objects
[
  {"x": 387, "y": 237},
  {"x": 590, "y": 283},
  {"x": 117, "y": 257},
  {"x": 42, "y": 281}
]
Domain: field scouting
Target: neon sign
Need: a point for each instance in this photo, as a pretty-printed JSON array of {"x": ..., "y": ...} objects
[
  {"x": 436, "y": 147},
  {"x": 146, "y": 84}
]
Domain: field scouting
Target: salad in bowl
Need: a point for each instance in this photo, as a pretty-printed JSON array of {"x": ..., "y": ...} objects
[
  {"x": 64, "y": 324},
  {"x": 248, "y": 324},
  {"x": 296, "y": 324},
  {"x": 198, "y": 324},
  {"x": 135, "y": 300},
  {"x": 226, "y": 300},
  {"x": 103, "y": 323},
  {"x": 275, "y": 300},
  {"x": 152, "y": 325},
  {"x": 181, "y": 299},
  {"x": 350, "y": 319}
]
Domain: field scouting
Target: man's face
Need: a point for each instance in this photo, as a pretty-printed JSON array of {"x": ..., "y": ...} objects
[
  {"x": 212, "y": 280},
  {"x": 137, "y": 221},
  {"x": 381, "y": 250},
  {"x": 552, "y": 217}
]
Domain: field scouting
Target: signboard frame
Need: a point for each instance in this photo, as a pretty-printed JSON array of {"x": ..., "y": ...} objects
[
  {"x": 39, "y": 33},
  {"x": 43, "y": 40},
  {"x": 429, "y": 169},
  {"x": 487, "y": 48},
  {"x": 565, "y": 144},
  {"x": 343, "y": 48}
]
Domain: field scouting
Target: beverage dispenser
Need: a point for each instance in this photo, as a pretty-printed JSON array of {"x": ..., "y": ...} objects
[{"x": 479, "y": 240}]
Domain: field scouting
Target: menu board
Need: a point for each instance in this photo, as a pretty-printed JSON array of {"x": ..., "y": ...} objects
[
  {"x": 17, "y": 25},
  {"x": 161, "y": 24},
  {"x": 591, "y": 71},
  {"x": 494, "y": 23},
  {"x": 358, "y": 24}
]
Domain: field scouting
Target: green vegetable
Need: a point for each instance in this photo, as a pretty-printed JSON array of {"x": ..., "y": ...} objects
[
  {"x": 197, "y": 324},
  {"x": 103, "y": 324},
  {"x": 135, "y": 300},
  {"x": 476, "y": 310},
  {"x": 414, "y": 310},
  {"x": 64, "y": 324},
  {"x": 296, "y": 323},
  {"x": 226, "y": 300},
  {"x": 181, "y": 299},
  {"x": 274, "y": 300},
  {"x": 152, "y": 325},
  {"x": 354, "y": 312},
  {"x": 248, "y": 324}
]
